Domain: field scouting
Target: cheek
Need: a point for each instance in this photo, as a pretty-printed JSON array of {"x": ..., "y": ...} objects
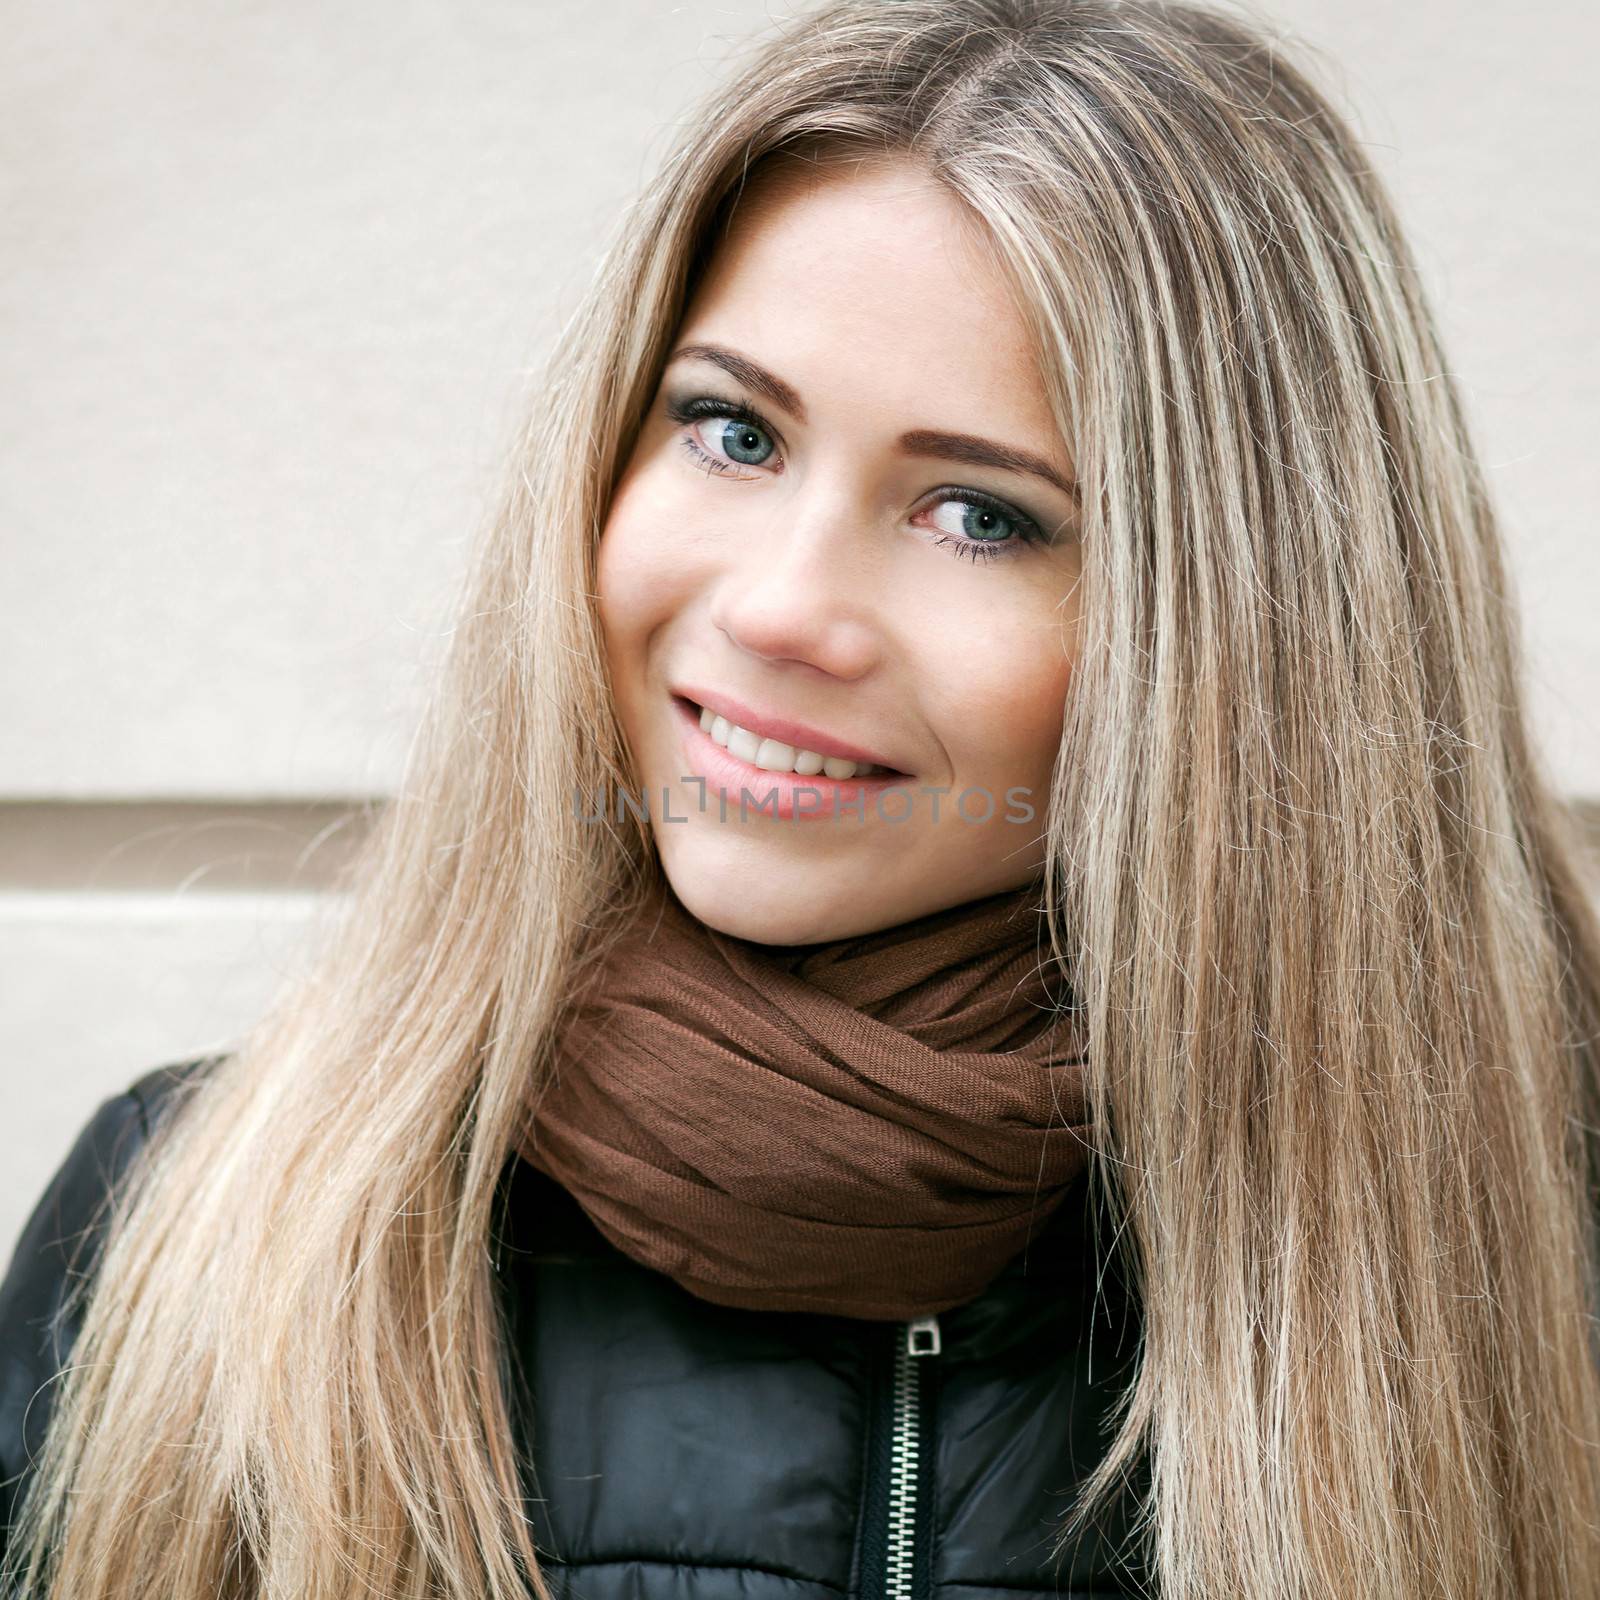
[
  {"x": 642, "y": 576},
  {"x": 1004, "y": 708}
]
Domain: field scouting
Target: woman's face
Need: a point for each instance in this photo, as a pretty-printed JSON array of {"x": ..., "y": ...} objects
[{"x": 847, "y": 530}]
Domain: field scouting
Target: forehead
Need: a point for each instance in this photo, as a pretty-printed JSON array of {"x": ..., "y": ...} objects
[{"x": 875, "y": 273}]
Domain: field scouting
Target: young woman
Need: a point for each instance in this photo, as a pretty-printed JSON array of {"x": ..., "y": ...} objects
[{"x": 974, "y": 986}]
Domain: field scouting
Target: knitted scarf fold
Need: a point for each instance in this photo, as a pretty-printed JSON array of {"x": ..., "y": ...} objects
[{"x": 868, "y": 1127}]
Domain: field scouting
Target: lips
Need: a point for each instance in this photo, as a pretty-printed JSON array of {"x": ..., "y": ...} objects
[
  {"x": 780, "y": 795},
  {"x": 783, "y": 730}
]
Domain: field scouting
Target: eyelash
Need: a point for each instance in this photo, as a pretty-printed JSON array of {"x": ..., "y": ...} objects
[{"x": 701, "y": 407}]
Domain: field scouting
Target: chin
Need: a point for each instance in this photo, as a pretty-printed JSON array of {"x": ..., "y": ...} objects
[
  {"x": 787, "y": 909},
  {"x": 772, "y": 922}
]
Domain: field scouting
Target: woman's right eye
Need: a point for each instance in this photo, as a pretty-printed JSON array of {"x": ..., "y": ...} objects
[{"x": 737, "y": 435}]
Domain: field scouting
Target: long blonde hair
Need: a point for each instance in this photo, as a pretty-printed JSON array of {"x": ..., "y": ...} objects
[{"x": 1341, "y": 977}]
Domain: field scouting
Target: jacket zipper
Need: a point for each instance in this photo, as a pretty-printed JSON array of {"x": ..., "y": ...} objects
[{"x": 892, "y": 1547}]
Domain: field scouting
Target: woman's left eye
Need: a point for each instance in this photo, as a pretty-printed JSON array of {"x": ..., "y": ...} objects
[{"x": 984, "y": 526}]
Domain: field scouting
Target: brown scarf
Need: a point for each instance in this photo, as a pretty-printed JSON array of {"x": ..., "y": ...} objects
[{"x": 868, "y": 1127}]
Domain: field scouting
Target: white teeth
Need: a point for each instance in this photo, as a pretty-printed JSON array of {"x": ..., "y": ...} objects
[
  {"x": 744, "y": 744},
  {"x": 772, "y": 755}
]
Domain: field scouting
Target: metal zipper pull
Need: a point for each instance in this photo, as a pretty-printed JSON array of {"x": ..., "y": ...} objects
[{"x": 922, "y": 1336}]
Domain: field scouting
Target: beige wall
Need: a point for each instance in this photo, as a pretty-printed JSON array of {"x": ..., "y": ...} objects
[{"x": 270, "y": 282}]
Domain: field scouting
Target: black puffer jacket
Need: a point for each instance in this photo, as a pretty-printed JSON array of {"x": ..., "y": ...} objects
[{"x": 682, "y": 1449}]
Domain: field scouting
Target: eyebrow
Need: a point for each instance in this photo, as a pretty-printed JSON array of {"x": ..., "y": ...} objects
[{"x": 964, "y": 447}]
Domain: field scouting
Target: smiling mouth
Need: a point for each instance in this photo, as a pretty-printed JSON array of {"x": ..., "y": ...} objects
[{"x": 773, "y": 755}]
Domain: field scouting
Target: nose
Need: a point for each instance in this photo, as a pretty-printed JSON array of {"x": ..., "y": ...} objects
[{"x": 802, "y": 587}]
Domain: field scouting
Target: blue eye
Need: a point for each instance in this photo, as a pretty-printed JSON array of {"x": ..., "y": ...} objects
[
  {"x": 986, "y": 528},
  {"x": 744, "y": 434},
  {"x": 984, "y": 525},
  {"x": 743, "y": 442}
]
